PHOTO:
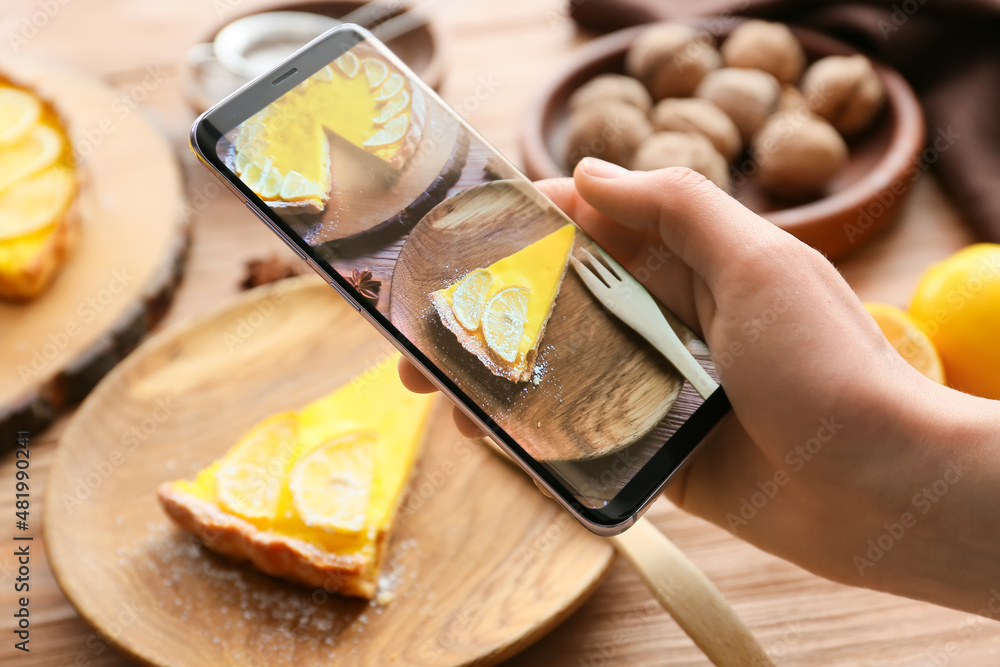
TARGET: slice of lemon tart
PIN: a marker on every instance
(499, 312)
(360, 105)
(312, 495)
(39, 218)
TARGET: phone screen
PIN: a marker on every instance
(479, 274)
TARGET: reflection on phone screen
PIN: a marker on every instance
(478, 270)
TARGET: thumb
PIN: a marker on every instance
(705, 227)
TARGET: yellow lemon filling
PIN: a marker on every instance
(283, 153)
(330, 474)
(505, 306)
(37, 186)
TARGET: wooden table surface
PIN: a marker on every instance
(513, 46)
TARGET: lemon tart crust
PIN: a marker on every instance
(273, 533)
(274, 553)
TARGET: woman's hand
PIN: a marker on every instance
(838, 455)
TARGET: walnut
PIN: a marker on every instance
(798, 154)
(683, 149)
(670, 59)
(701, 117)
(611, 131)
(607, 87)
(770, 47)
(791, 98)
(845, 90)
(747, 96)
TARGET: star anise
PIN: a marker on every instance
(363, 281)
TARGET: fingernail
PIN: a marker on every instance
(592, 166)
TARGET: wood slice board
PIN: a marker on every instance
(119, 279)
(482, 566)
(602, 387)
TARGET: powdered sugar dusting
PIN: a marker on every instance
(250, 617)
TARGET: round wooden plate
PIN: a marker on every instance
(591, 402)
(481, 565)
(863, 198)
(120, 277)
(207, 83)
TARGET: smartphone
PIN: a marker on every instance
(470, 271)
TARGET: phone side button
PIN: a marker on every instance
(343, 293)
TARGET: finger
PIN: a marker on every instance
(709, 230)
(466, 426)
(413, 378)
(643, 254)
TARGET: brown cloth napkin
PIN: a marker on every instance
(948, 51)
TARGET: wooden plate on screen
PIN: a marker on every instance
(121, 275)
(862, 199)
(483, 566)
(581, 416)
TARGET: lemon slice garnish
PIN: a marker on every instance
(271, 185)
(35, 202)
(332, 485)
(390, 133)
(324, 75)
(38, 149)
(255, 173)
(249, 479)
(393, 84)
(469, 298)
(251, 130)
(376, 71)
(504, 319)
(19, 111)
(295, 187)
(393, 107)
(348, 64)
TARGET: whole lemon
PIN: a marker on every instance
(957, 303)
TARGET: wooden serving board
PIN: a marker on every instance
(481, 566)
(119, 279)
(602, 387)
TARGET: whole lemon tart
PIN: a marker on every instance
(360, 108)
(499, 313)
(312, 495)
(39, 185)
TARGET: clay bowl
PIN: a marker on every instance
(419, 48)
(863, 198)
